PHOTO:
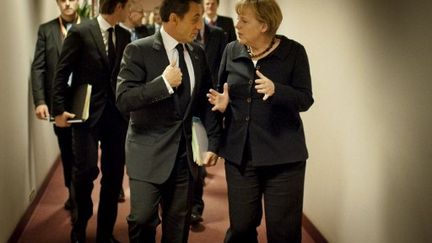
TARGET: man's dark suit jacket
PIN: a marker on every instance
(141, 31)
(84, 54)
(214, 44)
(46, 55)
(227, 24)
(151, 28)
(155, 126)
(47, 52)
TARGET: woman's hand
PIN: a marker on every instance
(218, 100)
(264, 85)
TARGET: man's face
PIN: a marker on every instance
(122, 12)
(188, 27)
(136, 15)
(210, 7)
(68, 7)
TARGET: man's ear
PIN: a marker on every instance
(173, 18)
(119, 6)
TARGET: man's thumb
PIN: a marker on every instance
(173, 62)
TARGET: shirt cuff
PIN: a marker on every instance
(169, 88)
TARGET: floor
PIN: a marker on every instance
(50, 223)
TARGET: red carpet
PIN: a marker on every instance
(50, 223)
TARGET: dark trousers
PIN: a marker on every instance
(174, 199)
(64, 139)
(198, 191)
(281, 186)
(110, 131)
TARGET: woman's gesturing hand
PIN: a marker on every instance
(264, 85)
(219, 100)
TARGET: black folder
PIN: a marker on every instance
(80, 103)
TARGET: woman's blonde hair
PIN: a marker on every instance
(266, 11)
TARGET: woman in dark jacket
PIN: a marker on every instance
(264, 82)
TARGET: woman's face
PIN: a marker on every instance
(249, 29)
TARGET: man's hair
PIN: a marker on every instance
(135, 5)
(179, 7)
(108, 6)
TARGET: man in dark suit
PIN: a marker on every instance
(133, 22)
(47, 51)
(213, 40)
(162, 98)
(92, 52)
(212, 18)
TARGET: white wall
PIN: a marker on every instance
(28, 147)
(369, 136)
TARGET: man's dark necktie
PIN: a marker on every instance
(111, 48)
(183, 91)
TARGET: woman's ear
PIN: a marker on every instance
(264, 27)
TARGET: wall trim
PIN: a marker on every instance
(19, 229)
(312, 230)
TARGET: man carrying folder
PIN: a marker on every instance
(92, 52)
(47, 51)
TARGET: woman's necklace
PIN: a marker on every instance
(252, 55)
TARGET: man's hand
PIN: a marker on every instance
(173, 74)
(42, 112)
(61, 120)
(210, 159)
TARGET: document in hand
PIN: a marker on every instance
(81, 103)
(199, 141)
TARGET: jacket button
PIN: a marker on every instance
(247, 118)
(258, 67)
(250, 81)
(248, 100)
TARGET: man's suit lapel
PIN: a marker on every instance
(97, 37)
(56, 35)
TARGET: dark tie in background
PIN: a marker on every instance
(183, 91)
(111, 48)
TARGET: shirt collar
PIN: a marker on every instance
(103, 24)
(208, 20)
(125, 27)
(168, 41)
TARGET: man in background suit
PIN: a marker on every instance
(133, 22)
(48, 46)
(162, 98)
(92, 52)
(213, 40)
(156, 21)
(212, 18)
